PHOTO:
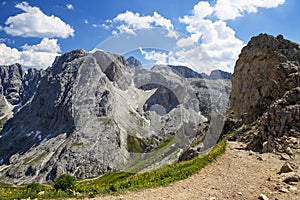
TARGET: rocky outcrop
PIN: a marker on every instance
(277, 130)
(267, 67)
(266, 95)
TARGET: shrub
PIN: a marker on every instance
(64, 182)
(35, 187)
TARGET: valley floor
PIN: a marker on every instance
(237, 174)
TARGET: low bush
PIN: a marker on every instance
(35, 187)
(64, 182)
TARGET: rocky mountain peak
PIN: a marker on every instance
(134, 62)
(115, 67)
(60, 61)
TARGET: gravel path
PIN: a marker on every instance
(238, 174)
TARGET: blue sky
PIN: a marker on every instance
(33, 32)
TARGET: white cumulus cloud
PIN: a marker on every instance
(8, 55)
(158, 57)
(231, 9)
(194, 58)
(210, 43)
(46, 45)
(202, 9)
(39, 56)
(34, 23)
(207, 26)
(129, 22)
(214, 37)
(186, 42)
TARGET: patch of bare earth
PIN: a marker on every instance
(238, 174)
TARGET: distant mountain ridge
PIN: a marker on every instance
(134, 62)
(187, 72)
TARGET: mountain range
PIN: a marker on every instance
(93, 113)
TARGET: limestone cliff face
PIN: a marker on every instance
(31, 82)
(17, 86)
(11, 82)
(265, 94)
(69, 114)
